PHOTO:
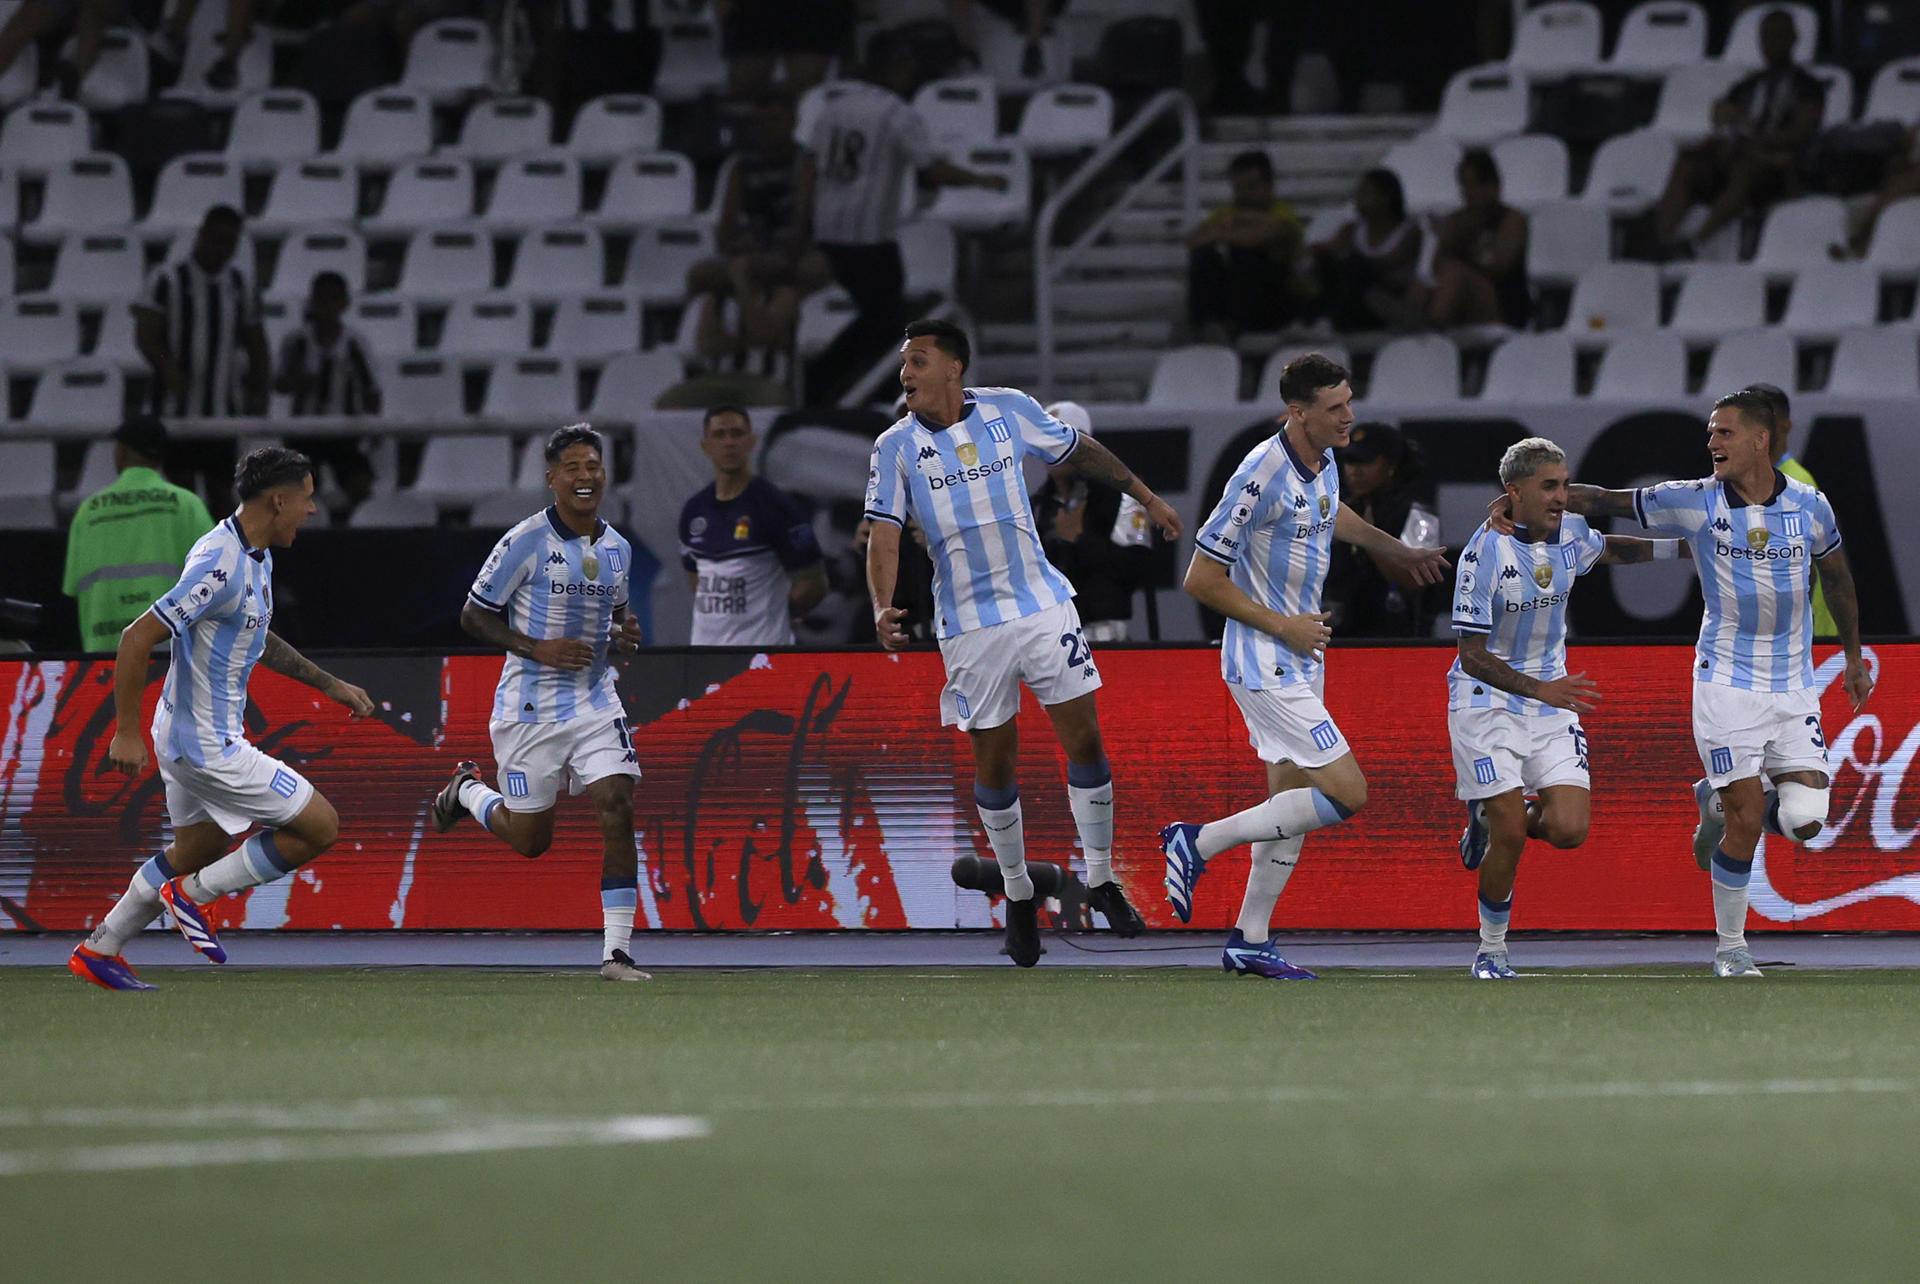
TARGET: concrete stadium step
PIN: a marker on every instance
(1148, 226)
(1154, 297)
(1132, 259)
(1068, 336)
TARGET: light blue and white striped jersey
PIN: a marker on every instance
(1274, 527)
(552, 583)
(964, 485)
(1756, 573)
(1516, 593)
(218, 614)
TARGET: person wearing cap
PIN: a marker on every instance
(1095, 536)
(130, 539)
(1379, 475)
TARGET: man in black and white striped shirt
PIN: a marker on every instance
(198, 326)
(326, 366)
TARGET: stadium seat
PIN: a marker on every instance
(114, 339)
(400, 509)
(496, 128)
(558, 261)
(1743, 40)
(1837, 109)
(308, 192)
(419, 390)
(1880, 361)
(533, 389)
(531, 190)
(980, 209)
(253, 69)
(307, 254)
(82, 393)
(1749, 356)
(37, 332)
(631, 382)
(84, 194)
(488, 325)
(188, 187)
(508, 508)
(928, 252)
(1687, 96)
(1415, 369)
(449, 59)
(96, 471)
(1659, 36)
(1649, 366)
(1267, 392)
(659, 258)
(1425, 165)
(388, 324)
(120, 76)
(1557, 39)
(6, 256)
(1530, 368)
(424, 193)
(1718, 297)
(530, 472)
(386, 125)
(1482, 104)
(272, 127)
(1533, 169)
(1611, 297)
(98, 266)
(1801, 232)
(960, 111)
(1066, 119)
(1895, 93)
(460, 468)
(446, 265)
(691, 63)
(1003, 49)
(1629, 171)
(589, 327)
(823, 315)
(20, 81)
(1895, 248)
(1565, 238)
(1201, 375)
(44, 133)
(614, 125)
(648, 187)
(26, 473)
(1830, 297)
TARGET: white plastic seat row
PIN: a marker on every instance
(1566, 36)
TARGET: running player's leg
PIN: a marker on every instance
(97, 959)
(1796, 806)
(1561, 816)
(1731, 729)
(619, 875)
(996, 792)
(1090, 797)
(1795, 762)
(1327, 796)
(1249, 949)
(532, 757)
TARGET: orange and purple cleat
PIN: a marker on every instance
(192, 920)
(108, 971)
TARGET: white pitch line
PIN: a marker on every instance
(477, 1139)
(366, 1112)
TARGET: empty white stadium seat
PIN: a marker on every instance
(1557, 38)
(1895, 247)
(419, 390)
(460, 468)
(43, 133)
(188, 187)
(446, 265)
(530, 473)
(82, 393)
(557, 261)
(536, 390)
(1629, 171)
(6, 249)
(1415, 369)
(531, 190)
(86, 193)
(928, 252)
(1533, 169)
(36, 332)
(588, 327)
(1425, 165)
(21, 80)
(615, 125)
(115, 339)
(1751, 356)
(1880, 361)
(396, 510)
(1267, 392)
(121, 74)
(823, 315)
(388, 324)
(1530, 367)
(496, 128)
(272, 127)
(306, 192)
(1687, 96)
(1718, 297)
(253, 68)
(649, 187)
(960, 111)
(487, 325)
(1801, 232)
(1565, 238)
(631, 382)
(980, 208)
(1649, 366)
(449, 59)
(1482, 104)
(1660, 35)
(1003, 49)
(1895, 93)
(509, 508)
(659, 258)
(1611, 297)
(97, 266)
(305, 255)
(1837, 109)
(1743, 40)
(1201, 375)
(96, 471)
(690, 59)
(386, 125)
(1066, 119)
(430, 192)
(26, 469)
(1830, 297)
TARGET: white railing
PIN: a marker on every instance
(1049, 264)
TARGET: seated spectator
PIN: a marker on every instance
(1480, 254)
(1762, 130)
(1368, 266)
(326, 367)
(1241, 259)
(1380, 479)
(1902, 179)
(758, 210)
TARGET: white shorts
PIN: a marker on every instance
(237, 792)
(1744, 733)
(536, 758)
(1290, 724)
(1495, 751)
(986, 666)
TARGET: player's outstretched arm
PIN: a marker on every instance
(883, 572)
(1573, 692)
(1836, 577)
(128, 751)
(1588, 501)
(1400, 562)
(556, 653)
(287, 662)
(1209, 583)
(1098, 464)
(1626, 550)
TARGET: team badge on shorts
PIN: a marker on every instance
(960, 702)
(1722, 761)
(1483, 772)
(1543, 575)
(516, 783)
(285, 783)
(1324, 736)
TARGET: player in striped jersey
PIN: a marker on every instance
(1513, 710)
(1260, 560)
(553, 596)
(1003, 614)
(217, 784)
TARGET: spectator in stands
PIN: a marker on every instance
(1380, 479)
(1480, 254)
(1226, 28)
(1762, 130)
(1032, 18)
(1095, 536)
(326, 366)
(170, 40)
(129, 540)
(1901, 179)
(1242, 259)
(37, 21)
(743, 320)
(867, 140)
(807, 37)
(912, 592)
(1367, 268)
(198, 326)
(759, 220)
(1823, 625)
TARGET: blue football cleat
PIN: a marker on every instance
(1185, 864)
(1247, 959)
(1492, 967)
(108, 971)
(193, 921)
(1474, 838)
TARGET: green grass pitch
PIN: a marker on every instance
(912, 1124)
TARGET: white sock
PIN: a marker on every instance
(1267, 874)
(617, 901)
(1007, 833)
(1093, 817)
(138, 906)
(256, 861)
(480, 801)
(1730, 899)
(1494, 918)
(1288, 814)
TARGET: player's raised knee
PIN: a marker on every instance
(1565, 833)
(318, 824)
(1803, 810)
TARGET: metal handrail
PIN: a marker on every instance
(1046, 264)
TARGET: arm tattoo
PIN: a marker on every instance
(1626, 549)
(1595, 501)
(1096, 463)
(1842, 600)
(1483, 665)
(286, 661)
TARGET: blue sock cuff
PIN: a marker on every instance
(487, 809)
(995, 799)
(1729, 872)
(271, 850)
(1329, 811)
(618, 893)
(158, 870)
(1089, 775)
(1496, 909)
